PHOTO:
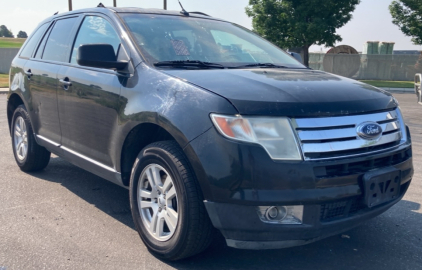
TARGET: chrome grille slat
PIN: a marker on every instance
(337, 137)
(390, 126)
(343, 120)
(315, 135)
(349, 145)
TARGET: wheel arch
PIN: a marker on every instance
(136, 139)
(13, 102)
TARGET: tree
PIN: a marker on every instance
(22, 34)
(4, 32)
(300, 23)
(407, 15)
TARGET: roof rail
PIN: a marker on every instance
(200, 13)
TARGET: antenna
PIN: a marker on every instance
(56, 13)
(100, 5)
(184, 12)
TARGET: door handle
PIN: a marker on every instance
(28, 73)
(66, 83)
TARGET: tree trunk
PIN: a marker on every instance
(306, 55)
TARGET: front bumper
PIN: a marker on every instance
(243, 229)
(237, 177)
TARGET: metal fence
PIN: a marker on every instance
(369, 67)
(6, 57)
(357, 66)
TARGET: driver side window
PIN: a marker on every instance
(95, 30)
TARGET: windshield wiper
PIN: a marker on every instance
(188, 63)
(264, 65)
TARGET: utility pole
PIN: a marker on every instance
(165, 4)
(70, 5)
(114, 3)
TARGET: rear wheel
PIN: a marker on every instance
(29, 155)
(167, 204)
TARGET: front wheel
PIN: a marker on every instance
(167, 204)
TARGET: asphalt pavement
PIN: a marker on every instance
(67, 218)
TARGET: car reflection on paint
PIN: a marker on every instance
(418, 91)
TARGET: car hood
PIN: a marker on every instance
(289, 92)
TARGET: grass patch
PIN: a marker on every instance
(4, 80)
(391, 84)
(11, 42)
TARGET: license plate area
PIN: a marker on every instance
(381, 186)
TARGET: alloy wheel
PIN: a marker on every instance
(157, 202)
(20, 138)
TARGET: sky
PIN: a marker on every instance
(371, 19)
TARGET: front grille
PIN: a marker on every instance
(341, 209)
(335, 137)
(362, 166)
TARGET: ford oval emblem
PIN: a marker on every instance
(369, 130)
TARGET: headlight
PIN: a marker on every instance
(275, 134)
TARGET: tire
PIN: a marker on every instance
(193, 230)
(29, 155)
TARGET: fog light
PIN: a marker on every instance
(281, 214)
(271, 212)
(276, 213)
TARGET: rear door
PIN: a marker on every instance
(42, 70)
(89, 98)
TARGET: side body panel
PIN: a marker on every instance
(89, 110)
(43, 103)
(151, 96)
(17, 85)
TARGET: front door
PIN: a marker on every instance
(88, 98)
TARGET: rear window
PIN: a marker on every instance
(41, 45)
(58, 43)
(33, 41)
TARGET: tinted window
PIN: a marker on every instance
(33, 41)
(95, 30)
(58, 47)
(41, 46)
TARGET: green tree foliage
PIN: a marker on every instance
(22, 34)
(4, 32)
(300, 23)
(407, 15)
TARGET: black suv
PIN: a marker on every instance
(211, 128)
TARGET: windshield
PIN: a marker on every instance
(176, 38)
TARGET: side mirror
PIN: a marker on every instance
(99, 56)
(296, 56)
